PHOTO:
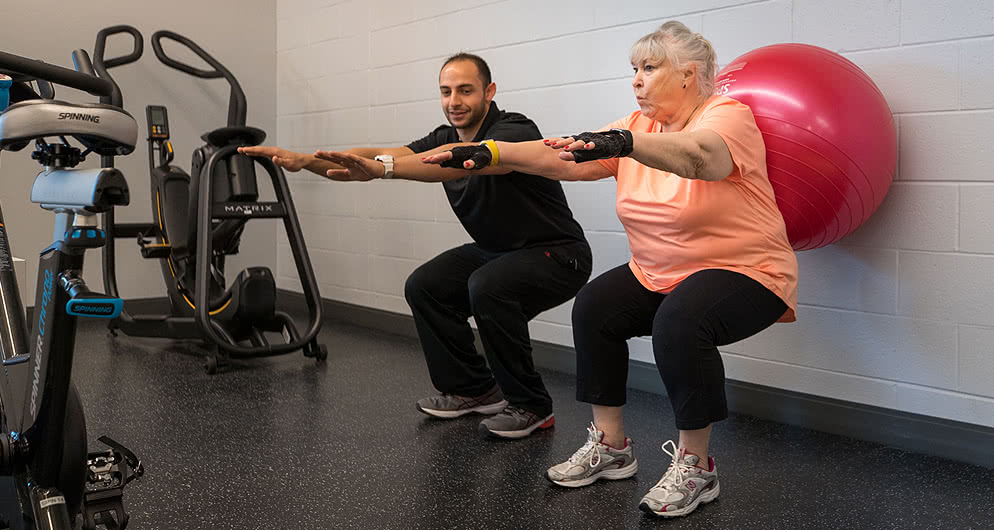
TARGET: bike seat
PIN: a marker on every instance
(104, 129)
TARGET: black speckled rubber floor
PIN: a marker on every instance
(288, 443)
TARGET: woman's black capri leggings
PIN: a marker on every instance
(710, 308)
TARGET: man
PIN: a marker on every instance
(528, 255)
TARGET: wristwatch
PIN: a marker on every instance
(387, 161)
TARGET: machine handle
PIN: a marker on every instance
(100, 64)
(185, 68)
(81, 60)
(25, 69)
(237, 106)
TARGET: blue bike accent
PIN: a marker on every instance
(5, 83)
(95, 307)
(17, 359)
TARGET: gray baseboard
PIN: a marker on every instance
(912, 432)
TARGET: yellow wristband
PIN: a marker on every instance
(494, 153)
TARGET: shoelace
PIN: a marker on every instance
(515, 411)
(677, 470)
(594, 457)
(463, 401)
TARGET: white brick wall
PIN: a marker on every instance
(900, 314)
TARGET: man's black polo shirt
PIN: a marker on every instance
(512, 211)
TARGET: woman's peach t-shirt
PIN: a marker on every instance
(678, 226)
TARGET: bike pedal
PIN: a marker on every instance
(107, 473)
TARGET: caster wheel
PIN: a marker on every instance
(211, 365)
(322, 353)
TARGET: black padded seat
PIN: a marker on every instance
(234, 136)
(104, 129)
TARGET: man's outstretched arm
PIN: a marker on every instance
(293, 161)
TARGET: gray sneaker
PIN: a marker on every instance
(452, 406)
(514, 422)
(683, 487)
(594, 461)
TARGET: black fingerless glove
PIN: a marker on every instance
(479, 154)
(614, 143)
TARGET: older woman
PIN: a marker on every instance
(710, 264)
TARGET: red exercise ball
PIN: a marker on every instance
(831, 148)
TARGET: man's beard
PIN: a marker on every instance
(475, 116)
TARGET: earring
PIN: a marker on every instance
(685, 85)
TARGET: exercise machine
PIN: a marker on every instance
(43, 442)
(198, 220)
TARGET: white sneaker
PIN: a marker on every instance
(683, 487)
(594, 461)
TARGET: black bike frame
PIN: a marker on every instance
(53, 337)
(13, 334)
(49, 354)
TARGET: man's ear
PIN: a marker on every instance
(490, 91)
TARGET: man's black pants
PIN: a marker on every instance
(502, 291)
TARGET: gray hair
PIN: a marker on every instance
(680, 46)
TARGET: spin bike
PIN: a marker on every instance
(198, 220)
(43, 442)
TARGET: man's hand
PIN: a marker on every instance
(587, 146)
(287, 160)
(356, 167)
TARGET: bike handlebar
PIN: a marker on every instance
(25, 69)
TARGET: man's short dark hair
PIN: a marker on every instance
(481, 65)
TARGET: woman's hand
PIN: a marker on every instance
(462, 157)
(287, 160)
(437, 158)
(568, 145)
(356, 167)
(588, 146)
